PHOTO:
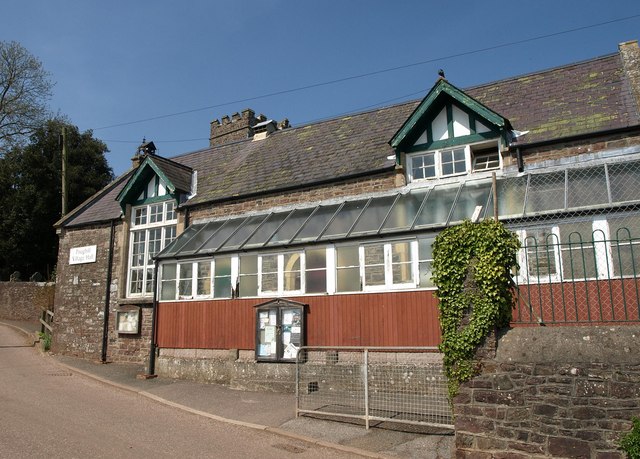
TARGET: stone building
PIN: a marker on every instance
(275, 236)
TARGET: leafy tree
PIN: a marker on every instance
(30, 190)
(25, 88)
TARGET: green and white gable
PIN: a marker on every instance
(450, 134)
(152, 194)
(156, 179)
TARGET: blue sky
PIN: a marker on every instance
(118, 62)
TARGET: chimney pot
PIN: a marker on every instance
(284, 124)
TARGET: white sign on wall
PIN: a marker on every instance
(80, 255)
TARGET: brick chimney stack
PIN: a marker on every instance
(630, 54)
(238, 127)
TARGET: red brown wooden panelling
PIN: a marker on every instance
(371, 319)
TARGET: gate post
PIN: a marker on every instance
(366, 388)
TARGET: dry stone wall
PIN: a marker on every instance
(552, 392)
(25, 301)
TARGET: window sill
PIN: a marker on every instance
(136, 300)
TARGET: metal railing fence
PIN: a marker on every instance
(579, 224)
(388, 384)
(572, 276)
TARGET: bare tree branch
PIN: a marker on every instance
(25, 89)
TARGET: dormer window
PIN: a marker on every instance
(151, 196)
(450, 162)
(450, 134)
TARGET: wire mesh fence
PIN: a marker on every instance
(400, 385)
(580, 233)
(591, 279)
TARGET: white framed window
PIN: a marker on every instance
(540, 254)
(582, 250)
(425, 261)
(380, 266)
(201, 279)
(315, 272)
(625, 245)
(388, 265)
(439, 163)
(348, 276)
(423, 166)
(454, 161)
(168, 281)
(153, 227)
(222, 287)
(185, 280)
(248, 275)
(485, 158)
(281, 273)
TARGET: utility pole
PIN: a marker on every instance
(63, 139)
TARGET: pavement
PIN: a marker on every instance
(268, 411)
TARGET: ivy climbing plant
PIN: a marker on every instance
(471, 268)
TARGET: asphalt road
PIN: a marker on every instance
(48, 412)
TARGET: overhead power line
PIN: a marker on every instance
(376, 72)
(315, 120)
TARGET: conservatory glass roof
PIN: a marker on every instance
(525, 195)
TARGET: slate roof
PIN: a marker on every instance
(294, 157)
(178, 174)
(575, 99)
(100, 207)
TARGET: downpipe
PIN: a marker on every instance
(107, 295)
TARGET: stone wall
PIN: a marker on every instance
(233, 368)
(25, 301)
(80, 300)
(81, 293)
(130, 348)
(552, 392)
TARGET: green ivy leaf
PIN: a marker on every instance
(471, 268)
